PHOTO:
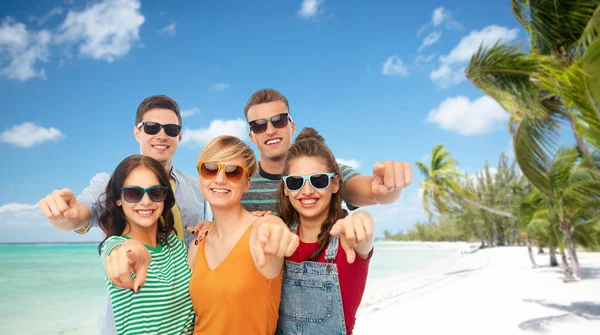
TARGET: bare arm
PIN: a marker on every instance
(64, 212)
(383, 187)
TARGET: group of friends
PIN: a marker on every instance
(249, 247)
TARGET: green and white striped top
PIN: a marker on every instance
(163, 305)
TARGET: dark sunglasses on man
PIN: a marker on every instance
(152, 128)
(278, 121)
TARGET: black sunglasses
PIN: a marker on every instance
(278, 121)
(152, 128)
(135, 194)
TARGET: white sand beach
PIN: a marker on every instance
(491, 291)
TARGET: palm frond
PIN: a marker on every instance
(534, 145)
(590, 33)
(507, 75)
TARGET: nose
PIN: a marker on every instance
(220, 178)
(307, 190)
(270, 129)
(146, 199)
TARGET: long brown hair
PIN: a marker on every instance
(310, 144)
(112, 220)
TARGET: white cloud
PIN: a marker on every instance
(394, 66)
(106, 30)
(21, 50)
(466, 117)
(447, 75)
(353, 163)
(452, 65)
(431, 39)
(237, 127)
(27, 135)
(440, 17)
(169, 30)
(190, 112)
(17, 207)
(220, 86)
(309, 8)
(46, 17)
(424, 59)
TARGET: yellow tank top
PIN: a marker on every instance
(234, 298)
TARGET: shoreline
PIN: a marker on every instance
(495, 290)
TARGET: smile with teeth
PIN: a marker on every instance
(308, 201)
(145, 212)
(273, 141)
(219, 190)
(160, 146)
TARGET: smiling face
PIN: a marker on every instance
(273, 143)
(144, 214)
(311, 203)
(159, 146)
(222, 193)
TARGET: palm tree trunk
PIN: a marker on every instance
(553, 261)
(581, 145)
(540, 249)
(565, 265)
(566, 228)
(480, 206)
(531, 258)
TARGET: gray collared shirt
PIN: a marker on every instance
(188, 196)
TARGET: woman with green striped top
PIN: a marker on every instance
(138, 224)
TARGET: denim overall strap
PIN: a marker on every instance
(311, 301)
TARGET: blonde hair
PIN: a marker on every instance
(224, 148)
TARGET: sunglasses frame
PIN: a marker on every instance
(162, 126)
(144, 190)
(221, 167)
(305, 178)
(270, 119)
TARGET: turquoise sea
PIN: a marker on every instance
(59, 288)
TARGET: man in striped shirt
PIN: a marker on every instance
(272, 128)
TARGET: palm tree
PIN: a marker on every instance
(441, 188)
(552, 82)
(573, 200)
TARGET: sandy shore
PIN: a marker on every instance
(492, 291)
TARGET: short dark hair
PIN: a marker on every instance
(157, 101)
(264, 96)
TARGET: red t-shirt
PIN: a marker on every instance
(352, 277)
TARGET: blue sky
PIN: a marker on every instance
(380, 80)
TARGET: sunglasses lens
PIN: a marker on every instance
(319, 181)
(294, 183)
(151, 128)
(172, 130)
(157, 194)
(280, 121)
(258, 126)
(133, 194)
(209, 170)
(234, 173)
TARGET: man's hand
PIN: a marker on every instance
(276, 240)
(389, 176)
(201, 229)
(60, 204)
(131, 256)
(356, 234)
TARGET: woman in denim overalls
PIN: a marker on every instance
(324, 280)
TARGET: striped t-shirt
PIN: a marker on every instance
(163, 304)
(262, 195)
